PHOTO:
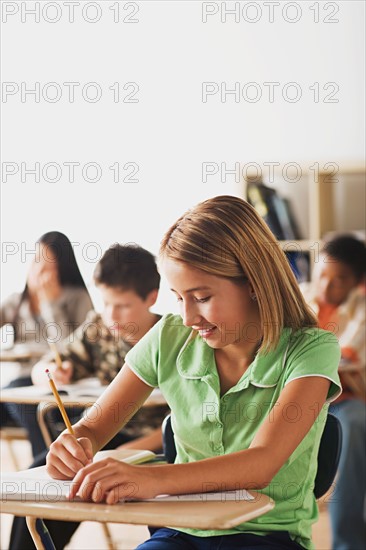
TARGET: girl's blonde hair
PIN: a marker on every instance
(225, 236)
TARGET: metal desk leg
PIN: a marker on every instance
(31, 524)
(108, 536)
(42, 538)
(39, 533)
(42, 408)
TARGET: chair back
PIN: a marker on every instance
(328, 455)
(169, 449)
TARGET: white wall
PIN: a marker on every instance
(169, 52)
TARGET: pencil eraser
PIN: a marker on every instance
(47, 371)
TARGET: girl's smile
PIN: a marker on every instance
(219, 308)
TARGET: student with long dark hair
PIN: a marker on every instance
(54, 301)
(52, 305)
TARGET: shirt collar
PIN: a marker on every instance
(196, 358)
(267, 369)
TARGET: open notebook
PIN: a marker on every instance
(37, 486)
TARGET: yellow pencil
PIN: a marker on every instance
(56, 354)
(59, 403)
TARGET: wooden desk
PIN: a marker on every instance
(45, 400)
(17, 361)
(354, 376)
(9, 356)
(348, 366)
(33, 395)
(22, 352)
(195, 515)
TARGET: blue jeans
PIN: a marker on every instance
(170, 539)
(346, 503)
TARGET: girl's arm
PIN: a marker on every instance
(273, 444)
(255, 467)
(118, 403)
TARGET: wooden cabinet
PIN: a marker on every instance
(324, 199)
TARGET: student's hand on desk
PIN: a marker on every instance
(68, 455)
(60, 376)
(111, 480)
(64, 375)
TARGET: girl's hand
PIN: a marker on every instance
(64, 375)
(60, 376)
(68, 455)
(111, 480)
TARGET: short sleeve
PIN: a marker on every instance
(315, 352)
(143, 358)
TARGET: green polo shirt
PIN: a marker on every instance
(177, 360)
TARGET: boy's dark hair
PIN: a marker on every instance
(350, 251)
(128, 267)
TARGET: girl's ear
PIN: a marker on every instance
(252, 294)
(152, 297)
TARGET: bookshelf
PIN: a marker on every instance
(325, 199)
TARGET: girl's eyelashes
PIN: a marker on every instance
(202, 300)
(197, 300)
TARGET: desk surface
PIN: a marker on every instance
(33, 395)
(12, 357)
(23, 352)
(196, 515)
(351, 367)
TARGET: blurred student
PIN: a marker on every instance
(128, 280)
(54, 301)
(337, 295)
(52, 305)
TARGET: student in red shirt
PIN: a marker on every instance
(337, 295)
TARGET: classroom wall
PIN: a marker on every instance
(178, 62)
(349, 203)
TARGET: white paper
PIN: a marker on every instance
(238, 495)
(37, 486)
